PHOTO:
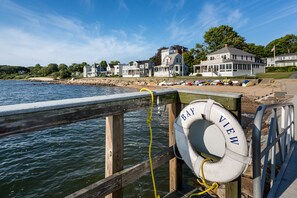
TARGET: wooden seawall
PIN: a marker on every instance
(31, 117)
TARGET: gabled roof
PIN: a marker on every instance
(111, 65)
(231, 50)
(288, 54)
(142, 61)
(172, 58)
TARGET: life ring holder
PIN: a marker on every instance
(235, 159)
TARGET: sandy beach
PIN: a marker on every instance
(250, 94)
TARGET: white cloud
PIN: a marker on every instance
(48, 38)
(210, 15)
(22, 48)
(288, 10)
(123, 5)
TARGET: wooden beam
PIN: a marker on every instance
(114, 148)
(175, 165)
(42, 115)
(230, 103)
(122, 178)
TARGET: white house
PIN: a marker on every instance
(229, 61)
(289, 59)
(93, 70)
(138, 69)
(171, 64)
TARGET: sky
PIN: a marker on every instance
(74, 31)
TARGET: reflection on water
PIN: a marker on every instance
(59, 161)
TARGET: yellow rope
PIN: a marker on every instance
(214, 185)
(148, 121)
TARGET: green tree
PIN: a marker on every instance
(217, 37)
(114, 62)
(74, 67)
(103, 64)
(64, 74)
(258, 50)
(180, 49)
(44, 71)
(52, 67)
(285, 44)
(189, 60)
(62, 66)
(157, 57)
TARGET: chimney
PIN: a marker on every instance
(226, 45)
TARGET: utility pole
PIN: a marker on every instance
(182, 62)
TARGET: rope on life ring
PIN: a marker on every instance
(235, 158)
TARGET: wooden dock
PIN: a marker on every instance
(32, 117)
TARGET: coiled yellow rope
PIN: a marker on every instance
(148, 121)
(214, 185)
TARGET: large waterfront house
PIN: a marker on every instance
(110, 69)
(93, 70)
(171, 64)
(282, 60)
(113, 69)
(229, 61)
(138, 69)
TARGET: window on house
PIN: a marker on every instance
(241, 57)
(235, 67)
(228, 66)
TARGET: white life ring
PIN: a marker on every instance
(235, 157)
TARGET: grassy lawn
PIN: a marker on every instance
(275, 75)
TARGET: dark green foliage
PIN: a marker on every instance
(217, 37)
(281, 69)
(114, 62)
(52, 67)
(5, 69)
(157, 57)
(64, 74)
(283, 45)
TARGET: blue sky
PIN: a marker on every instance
(75, 31)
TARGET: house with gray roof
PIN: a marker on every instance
(229, 61)
(171, 64)
(141, 68)
(93, 70)
(289, 59)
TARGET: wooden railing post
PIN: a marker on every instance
(233, 188)
(114, 148)
(175, 165)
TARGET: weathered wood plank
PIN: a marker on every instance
(230, 103)
(114, 148)
(42, 115)
(175, 165)
(122, 178)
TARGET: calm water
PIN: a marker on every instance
(60, 161)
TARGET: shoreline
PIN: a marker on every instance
(250, 94)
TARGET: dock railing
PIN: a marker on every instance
(31, 117)
(279, 140)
